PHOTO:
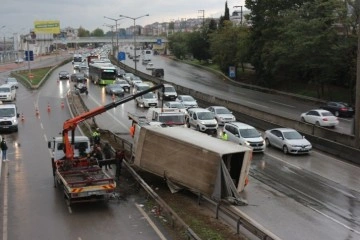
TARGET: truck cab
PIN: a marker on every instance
(167, 116)
(81, 146)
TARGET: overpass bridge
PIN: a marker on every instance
(130, 39)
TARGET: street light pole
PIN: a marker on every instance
(117, 34)
(134, 33)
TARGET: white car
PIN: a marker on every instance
(222, 114)
(187, 100)
(320, 117)
(19, 60)
(245, 135)
(128, 76)
(150, 66)
(287, 139)
(12, 81)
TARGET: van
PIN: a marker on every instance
(7, 92)
(245, 135)
(8, 117)
(167, 93)
(157, 72)
(201, 119)
(139, 87)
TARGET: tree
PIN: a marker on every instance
(98, 32)
(226, 16)
(178, 44)
(83, 33)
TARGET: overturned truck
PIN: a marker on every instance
(186, 158)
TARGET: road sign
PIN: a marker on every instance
(232, 73)
(29, 55)
(121, 56)
(159, 41)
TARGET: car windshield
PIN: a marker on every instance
(169, 89)
(149, 95)
(115, 87)
(249, 133)
(7, 112)
(292, 135)
(122, 82)
(188, 99)
(205, 115)
(176, 105)
(5, 90)
(222, 111)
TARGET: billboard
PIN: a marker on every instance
(52, 26)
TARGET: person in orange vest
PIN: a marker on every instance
(132, 130)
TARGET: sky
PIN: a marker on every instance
(18, 16)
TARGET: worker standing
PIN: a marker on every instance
(119, 159)
(107, 154)
(96, 136)
(4, 148)
(132, 130)
(224, 136)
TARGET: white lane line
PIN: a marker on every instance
(42, 126)
(257, 104)
(5, 206)
(114, 118)
(336, 221)
(284, 161)
(337, 160)
(283, 104)
(70, 210)
(152, 224)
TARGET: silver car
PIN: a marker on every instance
(287, 139)
(222, 114)
(187, 100)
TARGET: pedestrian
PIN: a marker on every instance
(119, 159)
(4, 148)
(224, 136)
(107, 154)
(96, 136)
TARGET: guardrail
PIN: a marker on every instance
(340, 145)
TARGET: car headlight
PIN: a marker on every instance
(247, 143)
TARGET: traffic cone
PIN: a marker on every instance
(62, 104)
(22, 117)
(37, 111)
(48, 108)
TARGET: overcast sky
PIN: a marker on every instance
(19, 15)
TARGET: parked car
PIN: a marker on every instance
(339, 109)
(19, 60)
(64, 75)
(187, 100)
(124, 84)
(78, 77)
(12, 81)
(114, 89)
(245, 135)
(320, 117)
(222, 114)
(288, 140)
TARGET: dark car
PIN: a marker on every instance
(157, 72)
(339, 109)
(64, 75)
(78, 78)
(115, 89)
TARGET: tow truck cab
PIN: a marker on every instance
(82, 143)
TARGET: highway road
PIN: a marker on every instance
(314, 196)
(207, 82)
(30, 206)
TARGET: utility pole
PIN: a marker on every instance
(112, 36)
(202, 16)
(241, 13)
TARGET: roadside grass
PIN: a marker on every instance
(38, 74)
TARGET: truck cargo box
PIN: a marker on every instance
(210, 166)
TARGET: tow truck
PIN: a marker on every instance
(80, 177)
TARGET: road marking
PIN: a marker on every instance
(257, 104)
(5, 206)
(283, 161)
(107, 112)
(333, 219)
(152, 224)
(69, 208)
(286, 105)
